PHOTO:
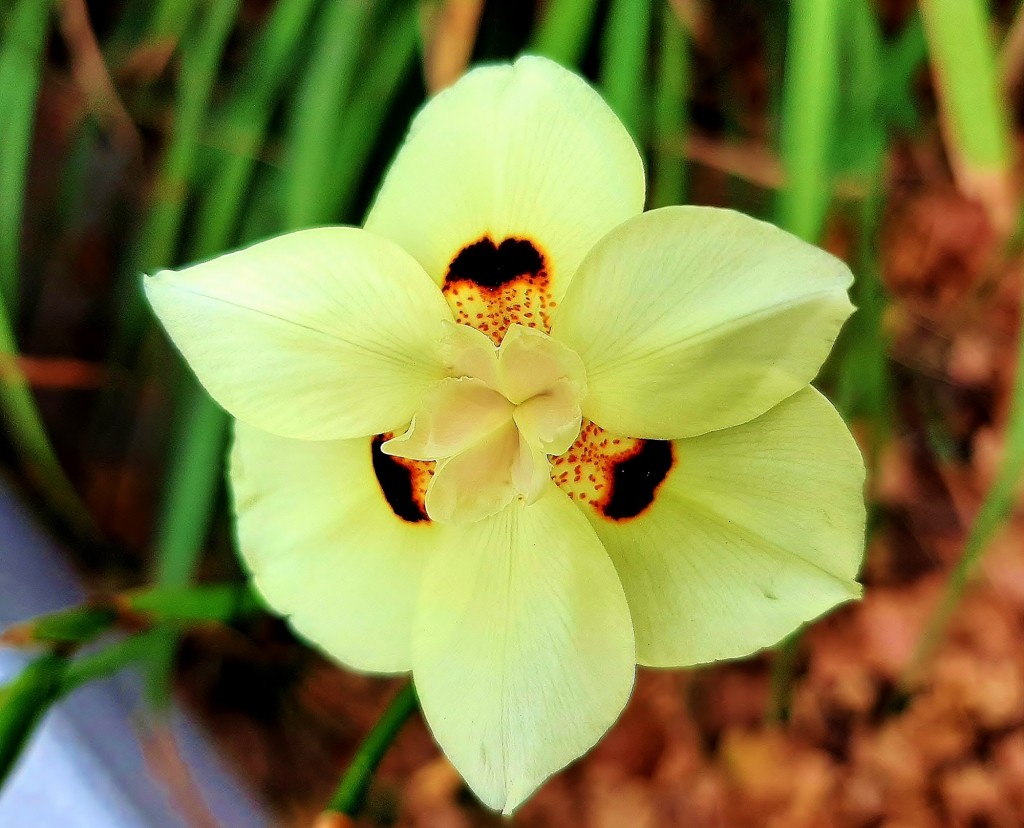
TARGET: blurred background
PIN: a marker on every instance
(136, 134)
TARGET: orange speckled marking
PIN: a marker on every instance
(403, 482)
(618, 476)
(490, 286)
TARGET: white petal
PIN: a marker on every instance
(325, 548)
(531, 471)
(454, 415)
(551, 421)
(477, 482)
(755, 530)
(469, 353)
(522, 151)
(320, 334)
(523, 650)
(530, 362)
(692, 319)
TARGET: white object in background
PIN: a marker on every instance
(85, 767)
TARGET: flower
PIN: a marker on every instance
(517, 435)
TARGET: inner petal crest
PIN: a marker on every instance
(491, 426)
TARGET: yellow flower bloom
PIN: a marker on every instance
(518, 436)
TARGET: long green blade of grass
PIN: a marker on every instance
(995, 510)
(172, 17)
(903, 57)
(351, 791)
(862, 380)
(23, 704)
(193, 479)
(394, 56)
(25, 428)
(974, 113)
(625, 48)
(320, 109)
(20, 67)
(241, 129)
(978, 129)
(562, 33)
(670, 112)
(158, 239)
(196, 463)
(963, 59)
(810, 97)
(863, 385)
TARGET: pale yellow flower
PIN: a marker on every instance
(518, 436)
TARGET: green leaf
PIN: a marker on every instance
(23, 703)
(671, 113)
(564, 30)
(624, 77)
(810, 98)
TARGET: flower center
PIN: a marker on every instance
(493, 422)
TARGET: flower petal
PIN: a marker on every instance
(523, 649)
(478, 482)
(469, 353)
(551, 421)
(320, 334)
(530, 363)
(692, 319)
(526, 151)
(454, 414)
(325, 548)
(755, 530)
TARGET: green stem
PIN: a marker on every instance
(45, 681)
(23, 704)
(995, 510)
(106, 662)
(993, 514)
(348, 798)
(167, 605)
(781, 680)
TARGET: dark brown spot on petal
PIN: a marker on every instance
(635, 480)
(491, 265)
(490, 286)
(618, 477)
(401, 482)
